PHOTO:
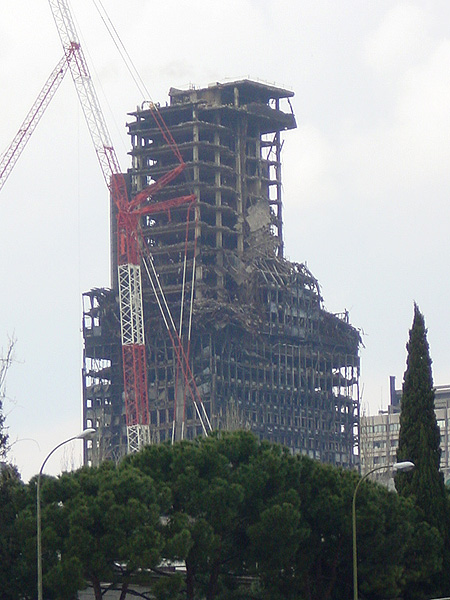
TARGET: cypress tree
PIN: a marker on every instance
(419, 439)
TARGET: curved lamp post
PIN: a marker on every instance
(85, 434)
(396, 467)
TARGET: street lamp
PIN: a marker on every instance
(86, 433)
(396, 467)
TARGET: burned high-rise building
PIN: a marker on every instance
(263, 353)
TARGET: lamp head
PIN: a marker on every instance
(86, 434)
(403, 467)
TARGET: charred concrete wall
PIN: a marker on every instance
(264, 353)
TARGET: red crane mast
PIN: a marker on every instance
(129, 213)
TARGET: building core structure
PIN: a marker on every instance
(263, 352)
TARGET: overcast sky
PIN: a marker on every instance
(366, 174)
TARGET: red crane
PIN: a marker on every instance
(12, 154)
(129, 212)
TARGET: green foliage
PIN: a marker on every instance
(247, 519)
(168, 587)
(256, 521)
(424, 557)
(384, 532)
(419, 442)
(102, 524)
(206, 505)
(12, 564)
(98, 524)
(419, 439)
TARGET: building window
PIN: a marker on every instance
(380, 428)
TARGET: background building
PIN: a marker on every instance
(264, 353)
(379, 433)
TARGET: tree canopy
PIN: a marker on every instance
(223, 517)
(242, 518)
(104, 526)
(14, 569)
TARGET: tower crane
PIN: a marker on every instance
(129, 243)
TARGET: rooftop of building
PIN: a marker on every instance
(256, 98)
(247, 88)
(441, 399)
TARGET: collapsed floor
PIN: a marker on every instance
(263, 352)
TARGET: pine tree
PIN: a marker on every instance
(419, 439)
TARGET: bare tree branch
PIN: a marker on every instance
(6, 360)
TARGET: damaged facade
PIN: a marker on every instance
(264, 353)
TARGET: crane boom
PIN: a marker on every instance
(15, 149)
(86, 91)
(129, 212)
(92, 111)
(130, 286)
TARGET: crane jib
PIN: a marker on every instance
(128, 231)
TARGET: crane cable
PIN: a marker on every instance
(174, 337)
(142, 88)
(131, 67)
(177, 346)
